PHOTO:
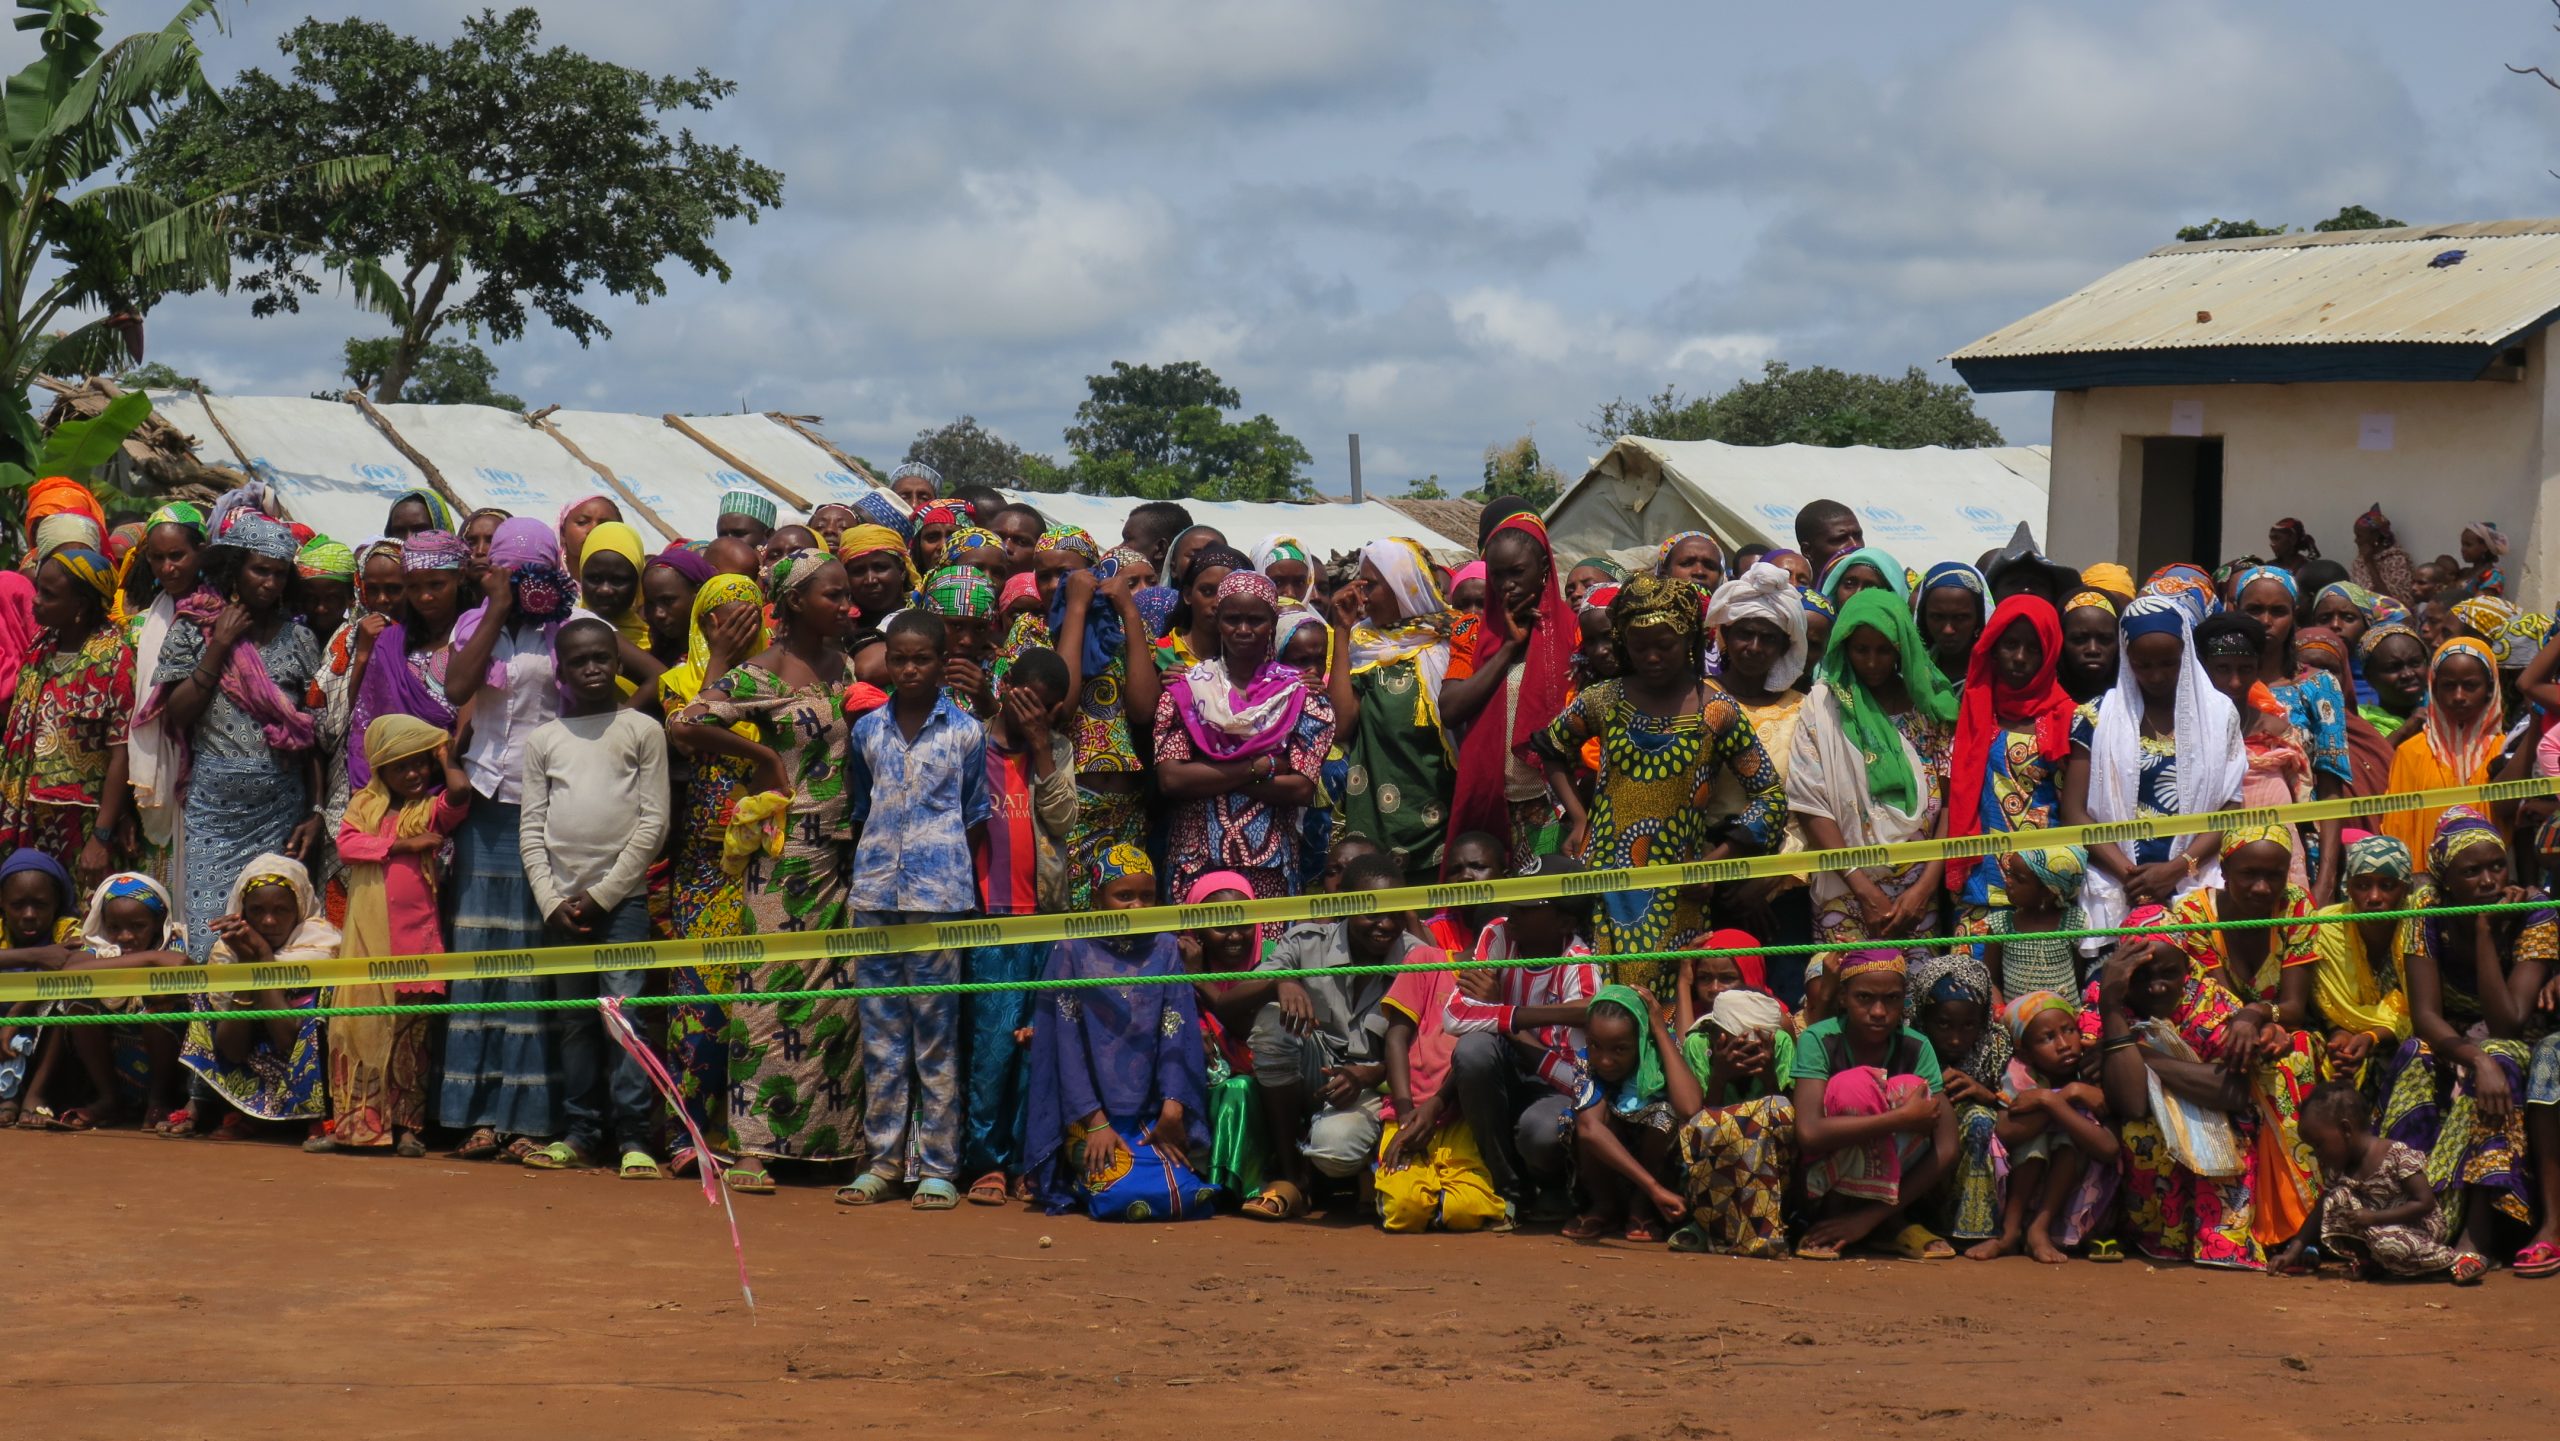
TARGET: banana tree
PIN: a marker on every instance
(84, 252)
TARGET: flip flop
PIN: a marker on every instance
(481, 1145)
(2469, 1267)
(748, 1182)
(2106, 1253)
(1643, 1230)
(1585, 1228)
(1277, 1201)
(640, 1166)
(990, 1190)
(1916, 1242)
(934, 1194)
(558, 1156)
(2538, 1260)
(1809, 1251)
(864, 1190)
(410, 1147)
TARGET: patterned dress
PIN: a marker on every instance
(1402, 769)
(1837, 919)
(704, 902)
(1099, 727)
(1235, 831)
(2431, 1110)
(2022, 792)
(2415, 1249)
(72, 708)
(2288, 945)
(1649, 805)
(795, 1071)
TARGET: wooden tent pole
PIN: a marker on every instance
(809, 434)
(611, 480)
(425, 466)
(798, 501)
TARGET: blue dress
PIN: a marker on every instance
(1122, 1050)
(2319, 710)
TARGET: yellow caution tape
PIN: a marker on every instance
(806, 947)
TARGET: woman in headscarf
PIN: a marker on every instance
(1466, 589)
(2012, 743)
(1758, 619)
(1951, 1001)
(1870, 768)
(391, 840)
(1953, 605)
(415, 511)
(2379, 564)
(1518, 680)
(2193, 1079)
(479, 532)
(2355, 978)
(231, 686)
(2311, 696)
(2189, 586)
(502, 1069)
(1191, 633)
(706, 897)
(2484, 548)
(272, 1070)
(1590, 573)
(2263, 965)
(1284, 559)
(1693, 556)
(2290, 546)
(1239, 744)
(155, 767)
(2279, 772)
(1105, 635)
(1402, 652)
(2394, 658)
(795, 1064)
(1666, 733)
(668, 584)
(2163, 742)
(328, 571)
(2368, 750)
(578, 520)
(830, 521)
(403, 671)
(609, 586)
(62, 755)
(344, 656)
(883, 580)
(2475, 983)
(2457, 742)
(1865, 568)
(2349, 610)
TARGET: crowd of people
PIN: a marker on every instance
(230, 739)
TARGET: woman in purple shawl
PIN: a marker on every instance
(404, 673)
(1129, 1055)
(1240, 741)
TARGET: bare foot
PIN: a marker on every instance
(2040, 1245)
(1849, 1227)
(1991, 1250)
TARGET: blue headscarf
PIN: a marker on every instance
(1954, 575)
(26, 858)
(1103, 634)
(879, 507)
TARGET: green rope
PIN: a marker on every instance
(1070, 983)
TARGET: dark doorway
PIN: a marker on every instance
(2178, 502)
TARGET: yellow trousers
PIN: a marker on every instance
(1447, 1182)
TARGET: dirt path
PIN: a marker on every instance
(241, 1290)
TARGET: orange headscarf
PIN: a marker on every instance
(58, 495)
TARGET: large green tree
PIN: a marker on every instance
(452, 372)
(967, 453)
(1813, 406)
(1162, 432)
(522, 179)
(83, 255)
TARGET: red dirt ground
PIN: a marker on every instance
(229, 1290)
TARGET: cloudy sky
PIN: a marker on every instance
(1442, 224)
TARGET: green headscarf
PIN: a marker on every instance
(1889, 777)
(1873, 559)
(1647, 1082)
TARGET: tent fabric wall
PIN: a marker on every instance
(491, 457)
(782, 453)
(1929, 503)
(667, 472)
(1327, 529)
(327, 463)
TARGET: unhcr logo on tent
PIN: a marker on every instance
(1986, 520)
(1890, 521)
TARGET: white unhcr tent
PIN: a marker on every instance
(1327, 529)
(1920, 506)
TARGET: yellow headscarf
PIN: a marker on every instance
(862, 540)
(682, 682)
(388, 739)
(620, 539)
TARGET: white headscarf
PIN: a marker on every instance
(1267, 550)
(312, 940)
(173, 925)
(1765, 592)
(2212, 758)
(1741, 1013)
(1426, 626)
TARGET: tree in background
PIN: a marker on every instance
(1814, 406)
(2349, 217)
(451, 372)
(520, 179)
(157, 376)
(967, 453)
(1162, 433)
(1426, 488)
(1517, 469)
(74, 241)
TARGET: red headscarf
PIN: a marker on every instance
(1754, 967)
(1991, 703)
(1546, 682)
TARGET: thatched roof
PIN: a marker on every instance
(1455, 519)
(158, 460)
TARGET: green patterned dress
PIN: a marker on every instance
(795, 1067)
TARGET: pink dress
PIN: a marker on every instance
(2279, 775)
(409, 887)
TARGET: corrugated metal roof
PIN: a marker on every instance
(2354, 287)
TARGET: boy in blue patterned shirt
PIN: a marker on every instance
(917, 775)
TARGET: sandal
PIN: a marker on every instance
(1916, 1242)
(681, 1164)
(2469, 1267)
(1812, 1251)
(2106, 1253)
(640, 1166)
(1643, 1230)
(990, 1189)
(178, 1125)
(864, 1190)
(933, 1193)
(2538, 1260)
(515, 1151)
(1585, 1228)
(480, 1145)
(558, 1156)
(319, 1143)
(410, 1147)
(1277, 1201)
(748, 1182)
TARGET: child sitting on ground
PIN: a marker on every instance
(1518, 1063)
(275, 1069)
(1119, 1120)
(1741, 1050)
(1875, 1132)
(2054, 1133)
(1630, 1107)
(2379, 1211)
(1473, 857)
(2043, 887)
(40, 935)
(1429, 1170)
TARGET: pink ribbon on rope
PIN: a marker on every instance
(618, 1026)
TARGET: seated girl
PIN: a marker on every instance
(275, 1069)
(2379, 1210)
(35, 896)
(2355, 979)
(2043, 888)
(1737, 1154)
(1227, 1008)
(1950, 999)
(1875, 1131)
(1629, 1106)
(1429, 1170)
(2059, 1155)
(129, 924)
(1118, 1078)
